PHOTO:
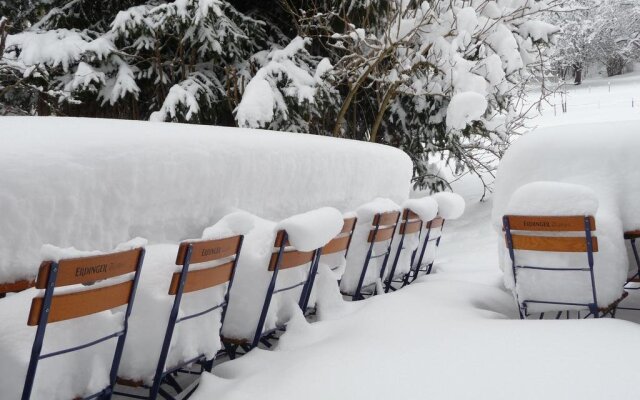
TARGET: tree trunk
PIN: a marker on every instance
(577, 74)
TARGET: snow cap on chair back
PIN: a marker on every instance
(425, 207)
(450, 205)
(553, 198)
(312, 230)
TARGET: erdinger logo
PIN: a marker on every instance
(211, 252)
(96, 269)
(537, 224)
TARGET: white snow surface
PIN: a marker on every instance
(313, 229)
(93, 183)
(450, 205)
(465, 108)
(553, 198)
(599, 156)
(425, 207)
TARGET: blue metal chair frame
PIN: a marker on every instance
(36, 351)
(231, 346)
(163, 375)
(405, 220)
(358, 294)
(632, 237)
(415, 271)
(593, 307)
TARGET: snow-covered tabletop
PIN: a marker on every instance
(600, 157)
(94, 183)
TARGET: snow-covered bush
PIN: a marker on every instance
(437, 79)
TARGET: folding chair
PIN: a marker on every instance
(14, 287)
(435, 225)
(342, 241)
(188, 281)
(71, 304)
(632, 236)
(411, 223)
(384, 228)
(284, 256)
(533, 238)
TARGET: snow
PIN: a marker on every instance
(425, 207)
(450, 205)
(93, 183)
(465, 108)
(572, 159)
(312, 230)
(385, 362)
(538, 30)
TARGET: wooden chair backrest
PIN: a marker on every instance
(411, 222)
(206, 251)
(537, 224)
(291, 257)
(341, 241)
(17, 286)
(86, 270)
(386, 223)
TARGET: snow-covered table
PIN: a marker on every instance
(94, 183)
(602, 157)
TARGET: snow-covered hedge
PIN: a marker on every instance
(95, 183)
(602, 158)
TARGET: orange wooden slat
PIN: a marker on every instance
(436, 222)
(635, 234)
(79, 304)
(383, 234)
(279, 238)
(553, 244)
(388, 218)
(348, 225)
(549, 223)
(410, 227)
(336, 245)
(407, 214)
(291, 259)
(202, 278)
(90, 269)
(208, 250)
(16, 286)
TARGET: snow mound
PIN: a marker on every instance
(553, 198)
(425, 207)
(601, 157)
(93, 183)
(450, 205)
(313, 229)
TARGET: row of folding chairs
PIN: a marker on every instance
(124, 268)
(571, 235)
